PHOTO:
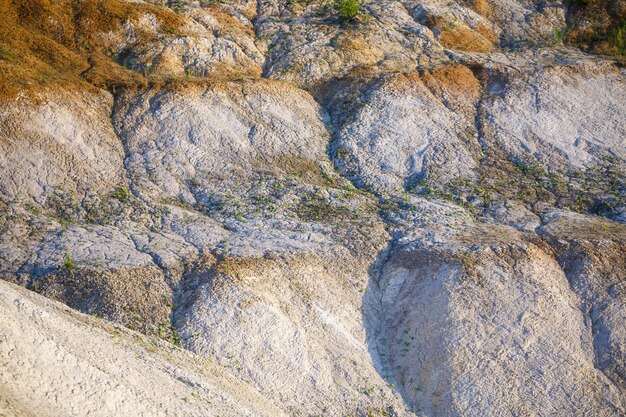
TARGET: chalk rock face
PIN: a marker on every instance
(483, 26)
(592, 256)
(213, 41)
(56, 361)
(293, 329)
(403, 130)
(545, 115)
(449, 323)
(279, 208)
(307, 47)
(194, 137)
(59, 140)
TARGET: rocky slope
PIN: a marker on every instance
(266, 209)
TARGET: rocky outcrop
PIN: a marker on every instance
(544, 116)
(194, 139)
(407, 127)
(56, 361)
(59, 140)
(458, 330)
(415, 211)
(591, 254)
(292, 328)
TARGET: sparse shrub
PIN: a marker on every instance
(68, 263)
(122, 193)
(5, 54)
(43, 77)
(560, 36)
(347, 9)
(617, 38)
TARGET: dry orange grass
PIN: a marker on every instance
(463, 38)
(482, 7)
(230, 23)
(458, 80)
(45, 43)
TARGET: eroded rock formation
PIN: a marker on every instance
(266, 210)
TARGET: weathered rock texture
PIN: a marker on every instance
(56, 361)
(459, 330)
(417, 211)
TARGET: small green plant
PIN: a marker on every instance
(43, 77)
(617, 38)
(122, 193)
(560, 36)
(68, 263)
(169, 333)
(5, 54)
(451, 25)
(347, 9)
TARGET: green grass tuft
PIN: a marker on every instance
(617, 38)
(347, 9)
(68, 263)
